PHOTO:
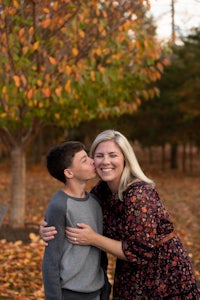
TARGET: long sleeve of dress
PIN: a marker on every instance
(146, 220)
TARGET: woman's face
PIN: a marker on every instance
(109, 163)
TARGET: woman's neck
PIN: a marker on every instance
(113, 187)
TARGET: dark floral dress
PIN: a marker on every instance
(154, 270)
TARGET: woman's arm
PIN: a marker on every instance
(85, 235)
(47, 233)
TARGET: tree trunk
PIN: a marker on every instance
(163, 159)
(17, 213)
(150, 155)
(37, 148)
(184, 158)
(191, 157)
(174, 161)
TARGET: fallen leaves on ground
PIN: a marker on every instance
(20, 276)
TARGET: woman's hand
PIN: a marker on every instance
(47, 233)
(84, 235)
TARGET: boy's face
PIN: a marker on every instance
(83, 166)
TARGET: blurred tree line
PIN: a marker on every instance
(170, 121)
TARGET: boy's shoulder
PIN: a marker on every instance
(59, 194)
(55, 214)
(58, 199)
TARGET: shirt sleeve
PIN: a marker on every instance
(55, 216)
(141, 217)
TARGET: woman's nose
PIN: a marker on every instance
(105, 159)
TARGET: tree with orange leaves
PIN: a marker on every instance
(68, 61)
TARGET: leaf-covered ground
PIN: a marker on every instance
(21, 250)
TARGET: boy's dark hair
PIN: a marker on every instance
(61, 157)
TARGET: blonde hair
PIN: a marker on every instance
(132, 171)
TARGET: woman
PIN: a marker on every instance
(151, 260)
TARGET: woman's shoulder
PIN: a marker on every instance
(138, 187)
(139, 194)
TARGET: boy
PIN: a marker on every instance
(72, 272)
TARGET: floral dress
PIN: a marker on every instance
(154, 269)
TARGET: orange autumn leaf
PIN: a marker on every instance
(57, 116)
(47, 77)
(75, 51)
(46, 23)
(16, 4)
(4, 89)
(25, 50)
(35, 45)
(21, 32)
(98, 51)
(46, 92)
(40, 104)
(46, 10)
(58, 91)
(81, 33)
(52, 60)
(55, 5)
(68, 86)
(101, 69)
(30, 94)
(39, 82)
(68, 70)
(16, 80)
(23, 79)
(160, 67)
(31, 30)
(92, 75)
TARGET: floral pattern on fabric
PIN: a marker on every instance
(140, 221)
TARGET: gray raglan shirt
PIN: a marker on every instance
(68, 266)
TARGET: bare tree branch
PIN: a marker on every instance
(6, 137)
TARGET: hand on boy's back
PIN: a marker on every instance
(47, 233)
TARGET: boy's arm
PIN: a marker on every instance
(55, 216)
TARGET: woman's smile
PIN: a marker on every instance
(107, 169)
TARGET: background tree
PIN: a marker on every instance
(67, 61)
(174, 117)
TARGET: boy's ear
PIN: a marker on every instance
(68, 173)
